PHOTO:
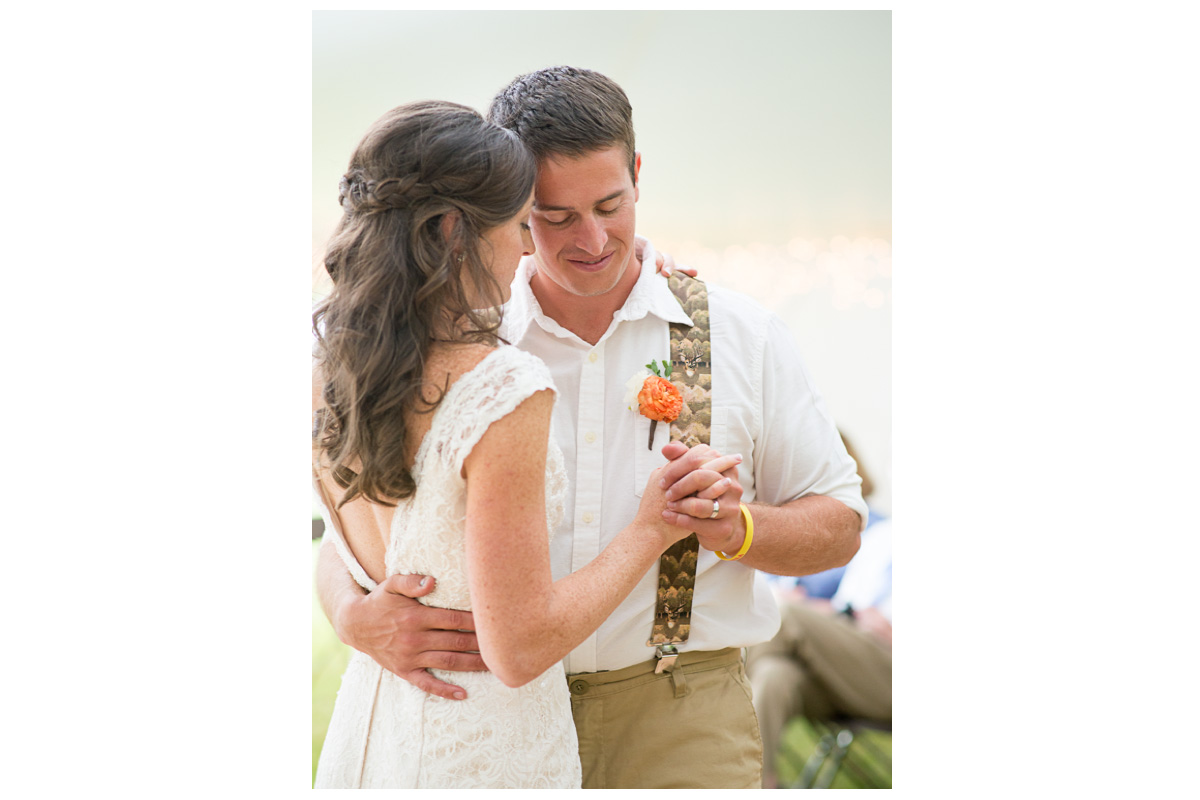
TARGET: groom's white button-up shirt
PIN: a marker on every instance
(765, 407)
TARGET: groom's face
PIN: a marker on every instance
(583, 220)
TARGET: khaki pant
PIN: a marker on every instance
(693, 728)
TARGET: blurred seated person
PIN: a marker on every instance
(832, 656)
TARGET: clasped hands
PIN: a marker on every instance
(696, 477)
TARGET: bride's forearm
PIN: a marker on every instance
(525, 620)
(518, 644)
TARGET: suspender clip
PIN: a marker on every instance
(666, 655)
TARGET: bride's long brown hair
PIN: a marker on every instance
(406, 260)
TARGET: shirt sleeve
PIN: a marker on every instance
(798, 451)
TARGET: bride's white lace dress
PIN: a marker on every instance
(386, 733)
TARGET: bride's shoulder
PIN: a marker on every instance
(498, 392)
(459, 359)
(490, 364)
(522, 371)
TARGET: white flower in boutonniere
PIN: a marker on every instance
(654, 396)
(633, 386)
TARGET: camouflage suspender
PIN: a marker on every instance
(691, 372)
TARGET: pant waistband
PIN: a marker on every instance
(705, 659)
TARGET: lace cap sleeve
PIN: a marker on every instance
(491, 391)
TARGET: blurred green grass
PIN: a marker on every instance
(330, 656)
(329, 659)
(800, 740)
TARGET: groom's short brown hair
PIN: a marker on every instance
(566, 111)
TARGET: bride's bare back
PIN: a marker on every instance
(366, 526)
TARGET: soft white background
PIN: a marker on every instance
(156, 577)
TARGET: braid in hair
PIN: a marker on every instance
(398, 278)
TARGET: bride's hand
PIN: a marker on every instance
(653, 514)
(663, 263)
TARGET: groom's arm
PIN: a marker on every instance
(389, 625)
(803, 537)
(808, 509)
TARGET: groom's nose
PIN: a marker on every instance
(591, 235)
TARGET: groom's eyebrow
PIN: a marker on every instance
(601, 201)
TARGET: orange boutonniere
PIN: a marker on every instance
(656, 397)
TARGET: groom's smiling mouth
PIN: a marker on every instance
(592, 264)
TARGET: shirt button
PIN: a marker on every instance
(592, 356)
(590, 437)
(579, 687)
(587, 516)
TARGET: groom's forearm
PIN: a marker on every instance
(802, 537)
(335, 587)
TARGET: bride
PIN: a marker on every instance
(431, 450)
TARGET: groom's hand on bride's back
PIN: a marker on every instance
(408, 638)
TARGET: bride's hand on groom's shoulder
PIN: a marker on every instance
(664, 264)
(408, 638)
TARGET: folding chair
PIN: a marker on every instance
(866, 765)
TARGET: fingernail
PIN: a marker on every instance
(459, 696)
(423, 582)
(672, 505)
(738, 457)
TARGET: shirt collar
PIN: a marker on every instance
(650, 295)
(522, 308)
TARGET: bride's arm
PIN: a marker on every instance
(525, 621)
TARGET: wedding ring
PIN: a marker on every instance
(716, 508)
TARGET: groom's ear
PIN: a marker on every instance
(637, 171)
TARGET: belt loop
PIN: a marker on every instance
(679, 682)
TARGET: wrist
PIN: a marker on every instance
(747, 540)
(737, 537)
(345, 616)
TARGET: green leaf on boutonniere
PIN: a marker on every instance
(665, 372)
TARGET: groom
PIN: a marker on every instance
(585, 306)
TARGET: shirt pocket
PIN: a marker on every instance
(647, 459)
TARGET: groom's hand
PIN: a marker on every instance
(408, 638)
(694, 478)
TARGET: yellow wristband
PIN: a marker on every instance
(749, 537)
